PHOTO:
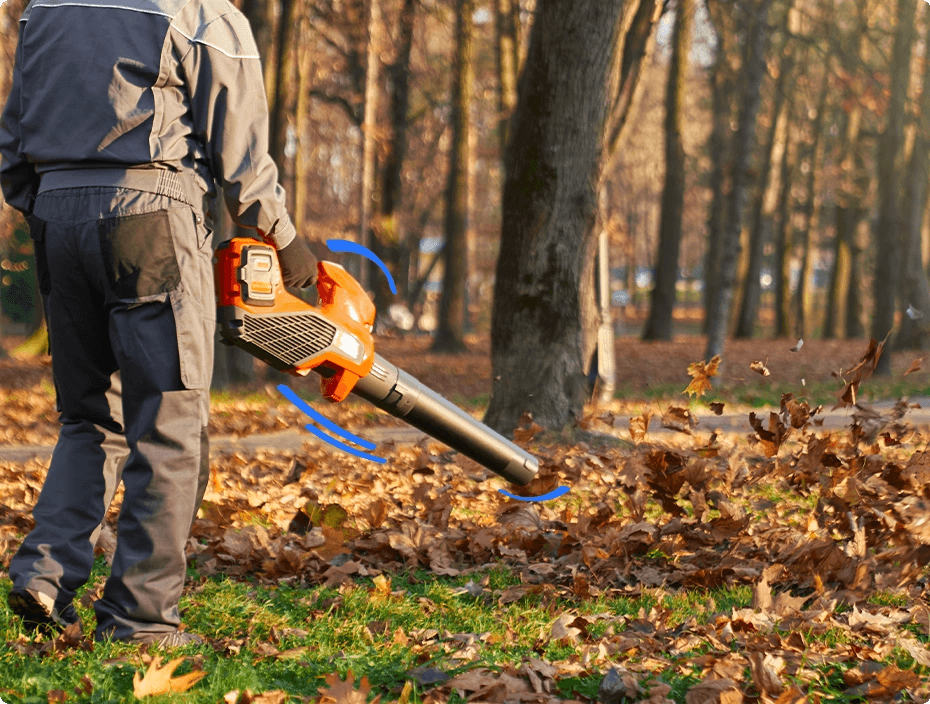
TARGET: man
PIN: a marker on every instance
(122, 116)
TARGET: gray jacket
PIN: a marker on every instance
(114, 84)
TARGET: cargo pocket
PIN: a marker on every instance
(192, 343)
(142, 268)
(138, 253)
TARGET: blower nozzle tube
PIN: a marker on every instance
(396, 392)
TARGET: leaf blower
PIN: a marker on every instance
(334, 339)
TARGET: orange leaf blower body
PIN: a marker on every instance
(334, 339)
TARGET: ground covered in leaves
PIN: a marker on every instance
(788, 564)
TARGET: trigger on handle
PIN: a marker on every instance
(338, 386)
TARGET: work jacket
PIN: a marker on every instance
(105, 85)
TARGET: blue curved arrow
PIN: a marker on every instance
(356, 248)
(561, 491)
(332, 427)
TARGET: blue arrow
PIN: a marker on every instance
(356, 248)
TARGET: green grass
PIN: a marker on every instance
(353, 628)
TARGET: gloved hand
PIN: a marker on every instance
(298, 265)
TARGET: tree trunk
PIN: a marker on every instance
(659, 323)
(638, 18)
(915, 290)
(719, 147)
(783, 236)
(369, 141)
(855, 328)
(804, 300)
(284, 52)
(507, 58)
(753, 73)
(851, 193)
(775, 147)
(887, 232)
(301, 161)
(394, 244)
(450, 330)
(554, 163)
(839, 275)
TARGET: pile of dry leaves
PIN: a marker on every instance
(815, 522)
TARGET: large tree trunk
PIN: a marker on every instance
(450, 330)
(753, 72)
(554, 163)
(887, 232)
(659, 323)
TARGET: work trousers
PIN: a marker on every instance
(127, 284)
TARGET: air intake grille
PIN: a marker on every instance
(289, 338)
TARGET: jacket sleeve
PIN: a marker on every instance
(18, 178)
(230, 117)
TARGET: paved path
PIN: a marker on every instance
(293, 440)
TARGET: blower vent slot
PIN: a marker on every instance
(289, 338)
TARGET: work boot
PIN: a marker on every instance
(160, 639)
(38, 610)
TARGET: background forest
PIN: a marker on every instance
(764, 166)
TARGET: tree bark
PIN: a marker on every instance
(915, 289)
(753, 73)
(394, 244)
(301, 161)
(783, 243)
(851, 193)
(810, 212)
(450, 330)
(369, 144)
(637, 39)
(887, 232)
(507, 59)
(719, 148)
(662, 306)
(554, 163)
(776, 140)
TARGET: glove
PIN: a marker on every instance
(298, 265)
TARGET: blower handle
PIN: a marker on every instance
(399, 394)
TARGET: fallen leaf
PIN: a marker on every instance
(760, 368)
(714, 691)
(340, 692)
(702, 373)
(915, 366)
(158, 680)
(639, 426)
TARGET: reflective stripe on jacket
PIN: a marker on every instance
(173, 84)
